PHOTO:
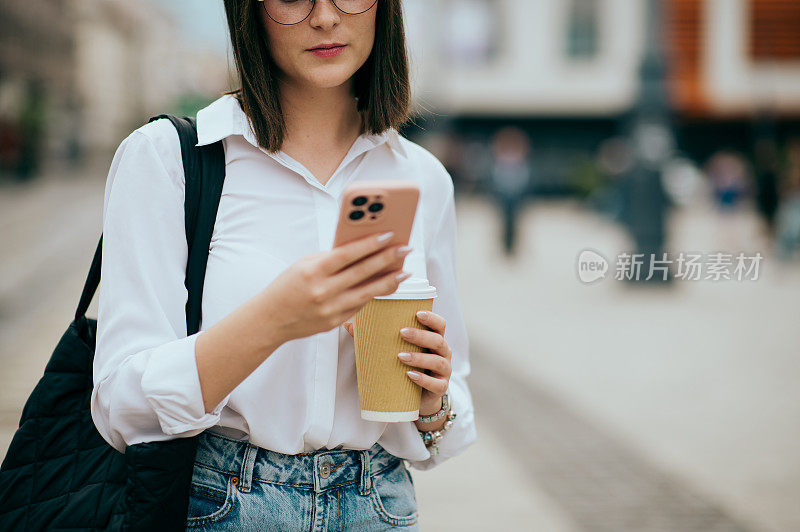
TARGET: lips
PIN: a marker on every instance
(327, 46)
(328, 52)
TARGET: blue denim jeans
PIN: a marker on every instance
(238, 486)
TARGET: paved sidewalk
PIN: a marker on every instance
(692, 391)
(48, 232)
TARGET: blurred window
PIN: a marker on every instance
(775, 29)
(471, 33)
(583, 29)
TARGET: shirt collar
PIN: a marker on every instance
(224, 117)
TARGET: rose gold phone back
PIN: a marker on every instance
(370, 207)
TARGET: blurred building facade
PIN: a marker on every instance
(101, 67)
(568, 72)
(37, 60)
(132, 64)
(580, 57)
(543, 58)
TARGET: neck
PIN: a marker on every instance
(319, 114)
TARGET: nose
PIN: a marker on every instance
(324, 14)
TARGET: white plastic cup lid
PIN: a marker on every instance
(412, 288)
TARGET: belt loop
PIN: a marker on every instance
(365, 481)
(246, 475)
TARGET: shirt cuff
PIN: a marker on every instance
(171, 385)
(457, 438)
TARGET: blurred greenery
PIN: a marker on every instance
(189, 103)
(586, 176)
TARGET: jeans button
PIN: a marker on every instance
(324, 470)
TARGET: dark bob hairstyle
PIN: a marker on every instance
(381, 84)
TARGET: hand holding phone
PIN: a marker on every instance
(376, 207)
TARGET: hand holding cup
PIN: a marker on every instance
(437, 362)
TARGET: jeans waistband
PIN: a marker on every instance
(319, 470)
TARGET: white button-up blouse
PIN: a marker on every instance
(273, 211)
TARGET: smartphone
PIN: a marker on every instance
(373, 207)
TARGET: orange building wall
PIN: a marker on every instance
(774, 30)
(773, 35)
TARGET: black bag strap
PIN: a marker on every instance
(92, 280)
(204, 170)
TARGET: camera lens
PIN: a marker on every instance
(359, 201)
(356, 215)
(375, 207)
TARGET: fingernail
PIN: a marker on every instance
(404, 250)
(405, 357)
(413, 374)
(405, 330)
(403, 276)
(423, 314)
(385, 236)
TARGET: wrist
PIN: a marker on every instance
(431, 407)
(427, 427)
(266, 319)
(429, 410)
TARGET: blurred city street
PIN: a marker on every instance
(576, 133)
(598, 407)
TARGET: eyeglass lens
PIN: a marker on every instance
(294, 11)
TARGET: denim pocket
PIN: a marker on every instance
(393, 497)
(211, 498)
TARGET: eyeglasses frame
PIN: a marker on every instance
(313, 4)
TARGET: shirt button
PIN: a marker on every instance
(324, 470)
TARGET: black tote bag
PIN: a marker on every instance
(59, 473)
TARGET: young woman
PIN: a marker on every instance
(270, 378)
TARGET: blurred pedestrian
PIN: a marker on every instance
(767, 195)
(32, 121)
(645, 207)
(767, 176)
(730, 179)
(787, 219)
(767, 171)
(510, 177)
(614, 159)
(732, 182)
(10, 141)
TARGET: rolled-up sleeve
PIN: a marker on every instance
(146, 384)
(441, 266)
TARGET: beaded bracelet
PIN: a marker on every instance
(440, 414)
(431, 438)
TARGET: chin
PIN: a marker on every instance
(329, 79)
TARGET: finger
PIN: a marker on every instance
(432, 361)
(428, 339)
(432, 320)
(368, 269)
(342, 256)
(433, 384)
(355, 298)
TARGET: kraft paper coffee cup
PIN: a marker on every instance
(385, 392)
